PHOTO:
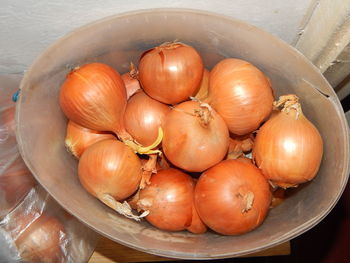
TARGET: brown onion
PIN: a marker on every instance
(94, 97)
(171, 72)
(15, 182)
(197, 226)
(143, 118)
(288, 147)
(78, 138)
(41, 239)
(278, 197)
(168, 199)
(232, 197)
(202, 93)
(110, 171)
(244, 159)
(195, 136)
(241, 94)
(132, 84)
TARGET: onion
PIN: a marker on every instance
(168, 200)
(241, 94)
(244, 159)
(239, 145)
(171, 72)
(232, 197)
(288, 147)
(197, 226)
(111, 171)
(40, 239)
(94, 96)
(195, 136)
(202, 94)
(143, 118)
(278, 196)
(132, 84)
(79, 138)
(15, 182)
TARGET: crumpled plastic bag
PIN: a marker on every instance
(33, 226)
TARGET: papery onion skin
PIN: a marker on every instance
(168, 199)
(143, 117)
(239, 145)
(241, 94)
(110, 167)
(232, 197)
(171, 72)
(288, 149)
(202, 93)
(78, 138)
(42, 239)
(94, 97)
(191, 145)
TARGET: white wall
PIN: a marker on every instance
(28, 26)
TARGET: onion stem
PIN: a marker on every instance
(138, 148)
(289, 102)
(122, 208)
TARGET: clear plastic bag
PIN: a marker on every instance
(15, 182)
(8, 143)
(39, 230)
(15, 178)
(33, 227)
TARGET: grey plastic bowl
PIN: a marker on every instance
(117, 40)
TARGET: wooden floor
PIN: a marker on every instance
(108, 251)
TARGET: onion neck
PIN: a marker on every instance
(148, 169)
(290, 105)
(133, 72)
(123, 135)
(170, 45)
(138, 148)
(122, 208)
(204, 113)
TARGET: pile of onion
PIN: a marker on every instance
(78, 138)
(94, 97)
(195, 148)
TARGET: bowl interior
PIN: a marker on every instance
(120, 39)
